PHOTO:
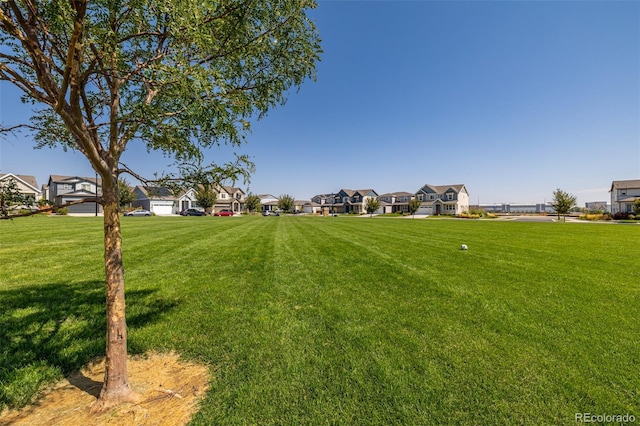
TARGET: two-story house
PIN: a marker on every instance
(25, 184)
(623, 194)
(351, 201)
(445, 199)
(396, 202)
(67, 189)
(230, 198)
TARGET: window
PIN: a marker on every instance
(64, 186)
(223, 195)
(86, 187)
(449, 196)
(432, 196)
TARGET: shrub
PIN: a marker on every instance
(63, 211)
(469, 216)
(621, 216)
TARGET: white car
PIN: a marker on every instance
(139, 212)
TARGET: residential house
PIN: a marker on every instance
(446, 199)
(351, 201)
(25, 184)
(268, 202)
(623, 194)
(61, 190)
(187, 200)
(230, 198)
(395, 202)
(164, 202)
(311, 207)
(158, 200)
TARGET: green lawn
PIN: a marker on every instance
(310, 320)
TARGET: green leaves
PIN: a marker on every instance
(563, 202)
(177, 75)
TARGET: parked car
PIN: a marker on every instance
(270, 213)
(224, 212)
(192, 212)
(138, 212)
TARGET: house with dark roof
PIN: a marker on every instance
(61, 190)
(443, 199)
(351, 201)
(623, 194)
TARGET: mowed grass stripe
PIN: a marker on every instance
(363, 321)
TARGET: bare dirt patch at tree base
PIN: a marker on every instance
(169, 390)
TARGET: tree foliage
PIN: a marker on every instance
(206, 197)
(286, 203)
(11, 198)
(125, 193)
(175, 76)
(371, 205)
(252, 202)
(563, 202)
(414, 206)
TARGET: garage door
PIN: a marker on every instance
(162, 209)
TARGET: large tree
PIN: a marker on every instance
(125, 193)
(206, 197)
(177, 76)
(252, 202)
(286, 203)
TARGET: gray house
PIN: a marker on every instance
(66, 189)
(443, 199)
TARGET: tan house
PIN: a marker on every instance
(623, 194)
(25, 184)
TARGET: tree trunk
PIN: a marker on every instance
(115, 389)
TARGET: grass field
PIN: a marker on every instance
(308, 320)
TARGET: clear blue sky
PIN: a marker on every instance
(512, 98)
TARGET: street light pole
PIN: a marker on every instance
(96, 194)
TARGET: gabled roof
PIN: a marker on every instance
(65, 179)
(625, 184)
(441, 189)
(397, 194)
(232, 189)
(365, 192)
(351, 192)
(25, 179)
(155, 192)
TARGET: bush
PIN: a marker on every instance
(63, 211)
(469, 216)
(621, 216)
(595, 216)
